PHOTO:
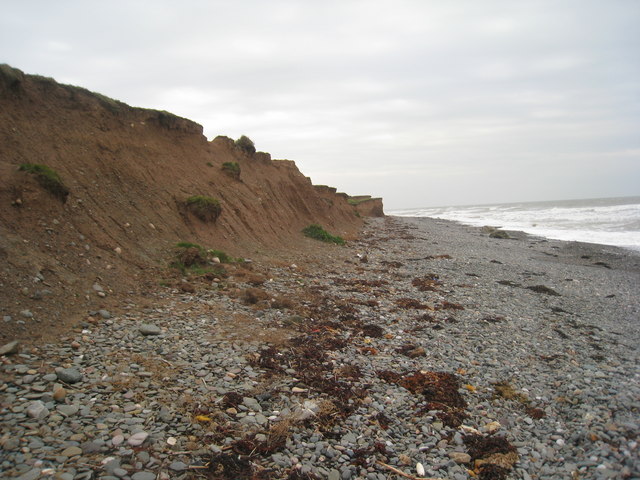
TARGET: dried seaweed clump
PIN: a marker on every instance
(428, 283)
(440, 390)
(493, 456)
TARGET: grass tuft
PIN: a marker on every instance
(318, 233)
(232, 169)
(48, 179)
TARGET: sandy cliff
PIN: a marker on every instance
(129, 172)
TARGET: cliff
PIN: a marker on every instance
(127, 174)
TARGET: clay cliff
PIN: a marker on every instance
(127, 174)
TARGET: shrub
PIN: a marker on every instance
(48, 179)
(205, 208)
(195, 259)
(245, 144)
(319, 233)
(251, 296)
(222, 256)
(232, 169)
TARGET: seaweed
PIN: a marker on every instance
(373, 331)
(444, 305)
(410, 303)
(543, 289)
(428, 283)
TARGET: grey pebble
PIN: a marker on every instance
(178, 466)
(144, 475)
(147, 329)
(69, 375)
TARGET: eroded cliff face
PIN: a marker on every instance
(129, 172)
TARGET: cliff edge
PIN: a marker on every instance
(125, 177)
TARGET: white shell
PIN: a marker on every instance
(419, 469)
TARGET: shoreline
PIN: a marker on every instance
(425, 341)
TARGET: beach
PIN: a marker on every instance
(424, 349)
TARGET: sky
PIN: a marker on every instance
(421, 102)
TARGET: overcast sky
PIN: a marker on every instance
(422, 102)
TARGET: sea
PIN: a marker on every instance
(606, 221)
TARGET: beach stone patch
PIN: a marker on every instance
(335, 393)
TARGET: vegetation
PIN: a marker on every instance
(48, 179)
(194, 259)
(318, 233)
(207, 209)
(358, 200)
(232, 169)
(245, 144)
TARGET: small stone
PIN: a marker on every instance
(492, 427)
(143, 476)
(67, 410)
(298, 390)
(9, 348)
(26, 313)
(30, 475)
(137, 439)
(69, 375)
(460, 457)
(171, 441)
(120, 472)
(117, 440)
(37, 410)
(97, 288)
(178, 466)
(104, 314)
(71, 452)
(348, 438)
(149, 329)
(420, 469)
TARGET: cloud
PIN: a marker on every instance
(383, 97)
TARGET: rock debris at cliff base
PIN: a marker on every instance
(206, 385)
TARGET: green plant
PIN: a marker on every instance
(189, 245)
(245, 144)
(205, 208)
(209, 164)
(194, 259)
(48, 179)
(318, 233)
(355, 201)
(232, 169)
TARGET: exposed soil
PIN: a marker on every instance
(129, 172)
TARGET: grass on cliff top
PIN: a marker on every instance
(358, 200)
(318, 233)
(48, 179)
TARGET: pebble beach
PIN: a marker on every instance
(425, 349)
